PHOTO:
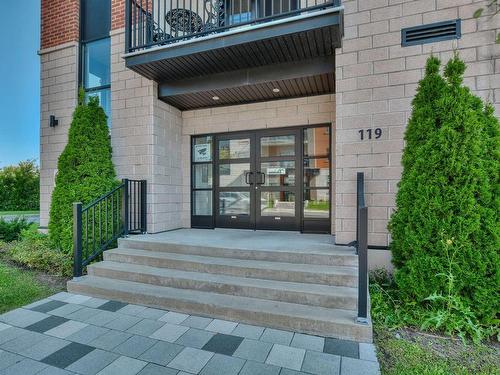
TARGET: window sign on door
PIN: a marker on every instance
(202, 152)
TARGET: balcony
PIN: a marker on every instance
(200, 49)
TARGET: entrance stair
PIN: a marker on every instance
(296, 282)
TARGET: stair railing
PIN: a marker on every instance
(362, 249)
(97, 225)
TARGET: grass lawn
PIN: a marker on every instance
(19, 287)
(18, 213)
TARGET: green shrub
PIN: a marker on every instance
(11, 230)
(85, 170)
(33, 250)
(20, 187)
(446, 226)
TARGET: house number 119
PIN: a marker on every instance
(368, 133)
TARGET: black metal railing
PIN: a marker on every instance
(97, 225)
(150, 23)
(362, 249)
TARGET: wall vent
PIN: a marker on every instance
(434, 32)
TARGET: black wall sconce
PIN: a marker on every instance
(53, 122)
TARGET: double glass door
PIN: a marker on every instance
(257, 180)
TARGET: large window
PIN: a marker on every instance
(95, 64)
(202, 181)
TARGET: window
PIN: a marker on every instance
(201, 181)
(95, 64)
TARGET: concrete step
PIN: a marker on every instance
(315, 320)
(313, 274)
(330, 255)
(307, 294)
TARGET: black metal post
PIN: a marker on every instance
(125, 206)
(144, 206)
(363, 265)
(128, 25)
(77, 239)
(360, 178)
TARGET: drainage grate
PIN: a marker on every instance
(434, 32)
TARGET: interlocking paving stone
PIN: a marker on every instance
(61, 296)
(25, 367)
(102, 318)
(195, 338)
(123, 322)
(308, 342)
(146, 327)
(169, 332)
(354, 366)
(67, 355)
(24, 340)
(50, 370)
(287, 371)
(248, 331)
(95, 302)
(112, 306)
(93, 362)
(7, 359)
(47, 324)
(152, 369)
(11, 334)
(66, 310)
(83, 314)
(277, 336)
(221, 326)
(4, 326)
(161, 353)
(223, 344)
(367, 352)
(173, 317)
(123, 366)
(197, 322)
(66, 329)
(22, 317)
(286, 356)
(48, 306)
(44, 348)
(257, 368)
(191, 360)
(37, 303)
(88, 334)
(77, 298)
(344, 348)
(132, 309)
(150, 313)
(222, 364)
(254, 350)
(321, 363)
(110, 340)
(135, 346)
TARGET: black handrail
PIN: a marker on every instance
(362, 249)
(97, 225)
(151, 23)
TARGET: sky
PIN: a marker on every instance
(19, 82)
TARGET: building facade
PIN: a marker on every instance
(256, 114)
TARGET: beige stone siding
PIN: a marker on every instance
(58, 88)
(146, 139)
(376, 79)
(273, 114)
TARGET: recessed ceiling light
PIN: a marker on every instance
(276, 89)
(215, 98)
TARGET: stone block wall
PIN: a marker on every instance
(376, 80)
(58, 86)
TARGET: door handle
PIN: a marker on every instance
(262, 180)
(247, 177)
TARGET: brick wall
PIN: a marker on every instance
(59, 22)
(314, 110)
(117, 14)
(376, 81)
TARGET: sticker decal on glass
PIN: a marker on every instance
(202, 152)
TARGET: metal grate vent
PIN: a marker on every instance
(434, 32)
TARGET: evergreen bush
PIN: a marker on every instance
(20, 187)
(85, 170)
(445, 229)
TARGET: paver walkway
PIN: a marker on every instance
(69, 333)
